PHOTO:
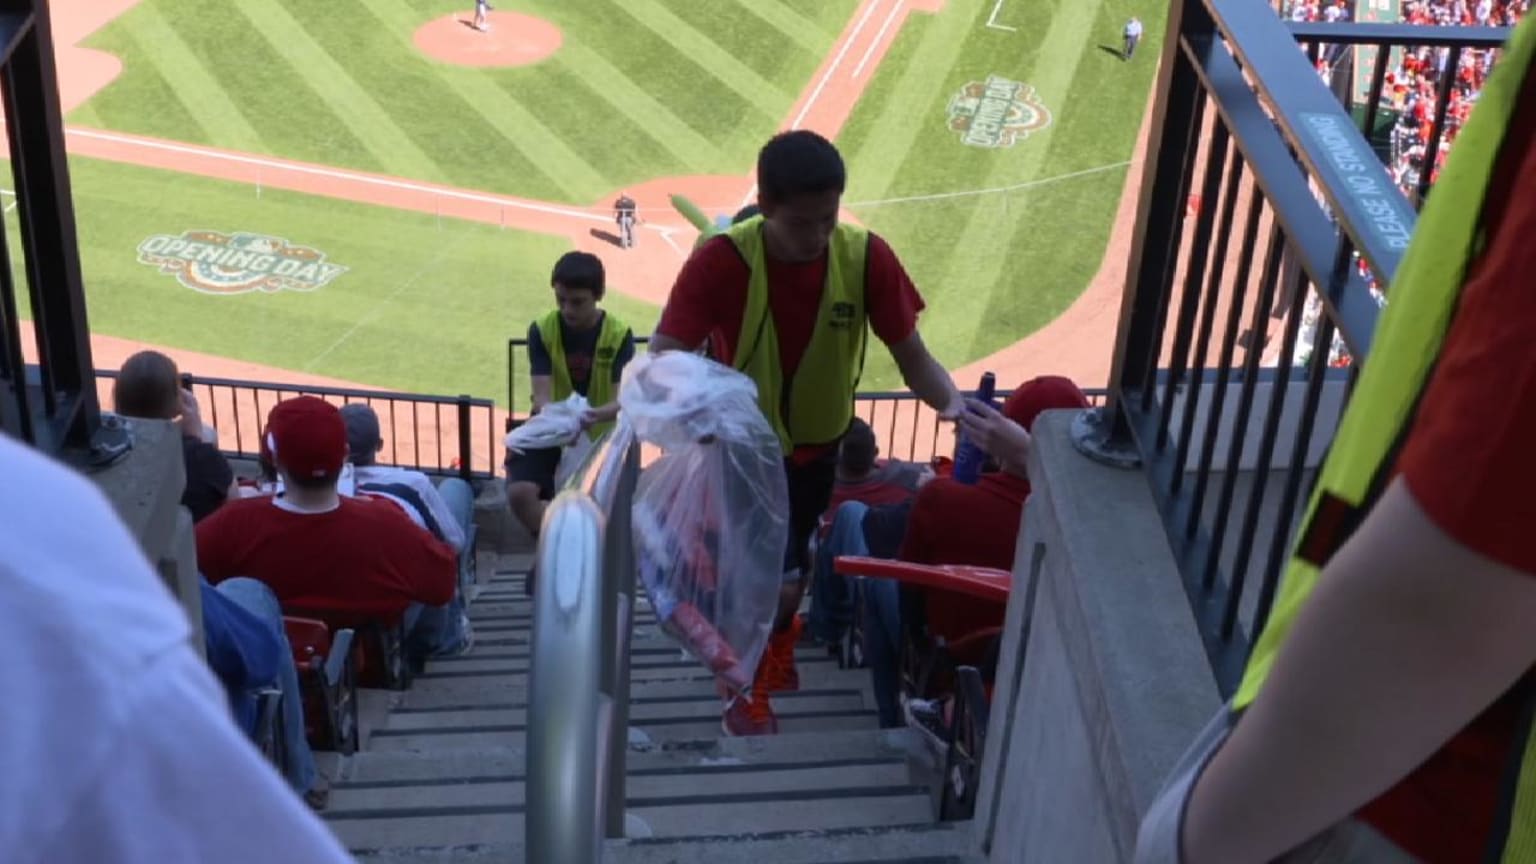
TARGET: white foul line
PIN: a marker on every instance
(821, 85)
(992, 19)
(879, 37)
(317, 171)
(836, 61)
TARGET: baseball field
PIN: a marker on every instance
(371, 190)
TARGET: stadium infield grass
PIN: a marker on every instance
(421, 308)
(628, 98)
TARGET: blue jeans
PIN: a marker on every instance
(432, 631)
(460, 499)
(882, 646)
(832, 594)
(256, 598)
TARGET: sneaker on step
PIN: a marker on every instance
(749, 715)
(776, 672)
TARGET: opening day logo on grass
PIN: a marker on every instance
(998, 112)
(216, 263)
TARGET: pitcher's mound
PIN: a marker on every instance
(512, 40)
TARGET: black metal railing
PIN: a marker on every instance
(1451, 60)
(905, 427)
(1247, 309)
(442, 435)
(51, 405)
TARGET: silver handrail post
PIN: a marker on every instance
(565, 687)
(618, 623)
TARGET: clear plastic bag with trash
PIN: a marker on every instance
(557, 425)
(711, 514)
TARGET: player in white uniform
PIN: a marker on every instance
(482, 8)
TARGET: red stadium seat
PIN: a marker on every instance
(328, 680)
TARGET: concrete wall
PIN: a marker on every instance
(1102, 679)
(145, 489)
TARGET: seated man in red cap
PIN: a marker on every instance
(953, 523)
(318, 550)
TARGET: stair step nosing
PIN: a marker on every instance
(659, 771)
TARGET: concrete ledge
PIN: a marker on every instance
(1102, 680)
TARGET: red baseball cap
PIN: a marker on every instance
(306, 437)
(1045, 393)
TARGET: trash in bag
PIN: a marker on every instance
(556, 425)
(711, 514)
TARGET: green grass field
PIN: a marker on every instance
(640, 90)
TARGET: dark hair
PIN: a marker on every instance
(858, 450)
(581, 270)
(147, 387)
(312, 484)
(799, 163)
(745, 213)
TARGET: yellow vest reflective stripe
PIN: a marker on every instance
(600, 386)
(1421, 304)
(816, 406)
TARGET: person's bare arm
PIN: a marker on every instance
(543, 391)
(929, 380)
(1408, 636)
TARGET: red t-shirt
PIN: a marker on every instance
(709, 299)
(952, 523)
(364, 558)
(1469, 462)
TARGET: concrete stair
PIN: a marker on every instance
(441, 777)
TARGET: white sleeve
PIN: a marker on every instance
(181, 785)
(453, 532)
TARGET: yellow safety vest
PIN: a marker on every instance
(816, 405)
(1420, 307)
(600, 385)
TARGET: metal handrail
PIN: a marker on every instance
(578, 686)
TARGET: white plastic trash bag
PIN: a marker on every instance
(711, 515)
(556, 425)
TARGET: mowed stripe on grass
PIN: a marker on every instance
(807, 33)
(742, 79)
(208, 103)
(649, 114)
(515, 125)
(888, 146)
(349, 100)
(1053, 72)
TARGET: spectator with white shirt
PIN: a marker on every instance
(444, 508)
(118, 743)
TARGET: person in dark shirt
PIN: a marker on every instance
(577, 349)
(624, 215)
(148, 387)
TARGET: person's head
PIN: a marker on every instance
(579, 284)
(1037, 395)
(856, 455)
(148, 387)
(363, 441)
(308, 442)
(800, 182)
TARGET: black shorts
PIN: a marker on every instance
(537, 467)
(810, 491)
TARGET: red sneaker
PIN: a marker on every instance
(749, 715)
(776, 672)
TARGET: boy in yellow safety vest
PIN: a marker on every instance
(578, 348)
(788, 298)
(1385, 714)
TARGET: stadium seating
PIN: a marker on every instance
(328, 679)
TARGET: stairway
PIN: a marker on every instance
(440, 777)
